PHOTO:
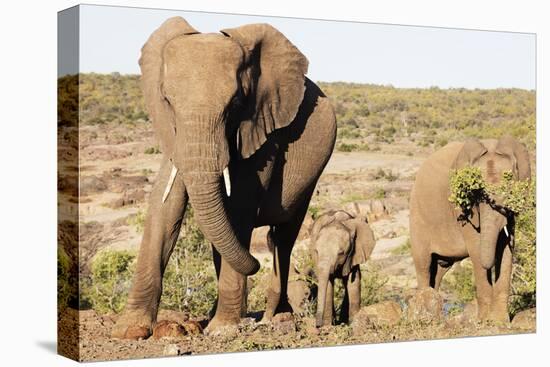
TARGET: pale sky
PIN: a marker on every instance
(403, 56)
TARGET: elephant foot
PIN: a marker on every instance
(499, 317)
(219, 326)
(267, 317)
(282, 308)
(132, 325)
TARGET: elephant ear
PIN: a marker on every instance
(277, 88)
(511, 147)
(151, 65)
(470, 152)
(364, 240)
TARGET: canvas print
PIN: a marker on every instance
(231, 183)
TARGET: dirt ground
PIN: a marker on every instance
(116, 177)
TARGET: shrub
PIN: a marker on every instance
(152, 150)
(403, 249)
(137, 220)
(382, 174)
(379, 193)
(111, 276)
(372, 282)
(67, 279)
(343, 147)
(467, 188)
(314, 211)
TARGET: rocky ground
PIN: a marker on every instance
(382, 322)
(118, 167)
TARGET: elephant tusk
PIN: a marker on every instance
(227, 181)
(506, 231)
(170, 183)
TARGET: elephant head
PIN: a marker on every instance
(494, 157)
(339, 242)
(214, 98)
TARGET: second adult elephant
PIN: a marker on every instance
(245, 136)
(442, 234)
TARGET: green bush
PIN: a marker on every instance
(110, 281)
(67, 279)
(403, 249)
(137, 220)
(344, 147)
(152, 150)
(467, 188)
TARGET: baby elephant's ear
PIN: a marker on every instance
(364, 240)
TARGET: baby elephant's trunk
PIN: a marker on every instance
(322, 298)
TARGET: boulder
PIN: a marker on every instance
(526, 319)
(168, 329)
(425, 306)
(91, 185)
(171, 350)
(387, 313)
(384, 313)
(284, 323)
(373, 209)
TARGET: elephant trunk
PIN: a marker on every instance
(200, 156)
(491, 223)
(323, 279)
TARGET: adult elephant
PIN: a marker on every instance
(442, 235)
(245, 136)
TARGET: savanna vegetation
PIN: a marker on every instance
(367, 114)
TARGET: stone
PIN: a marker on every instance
(171, 350)
(168, 329)
(425, 306)
(284, 322)
(384, 313)
(193, 327)
(526, 319)
(387, 313)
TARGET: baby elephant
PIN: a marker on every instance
(339, 244)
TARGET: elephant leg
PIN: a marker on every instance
(231, 301)
(329, 303)
(277, 300)
(344, 308)
(501, 288)
(282, 238)
(231, 295)
(161, 230)
(353, 289)
(422, 263)
(484, 289)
